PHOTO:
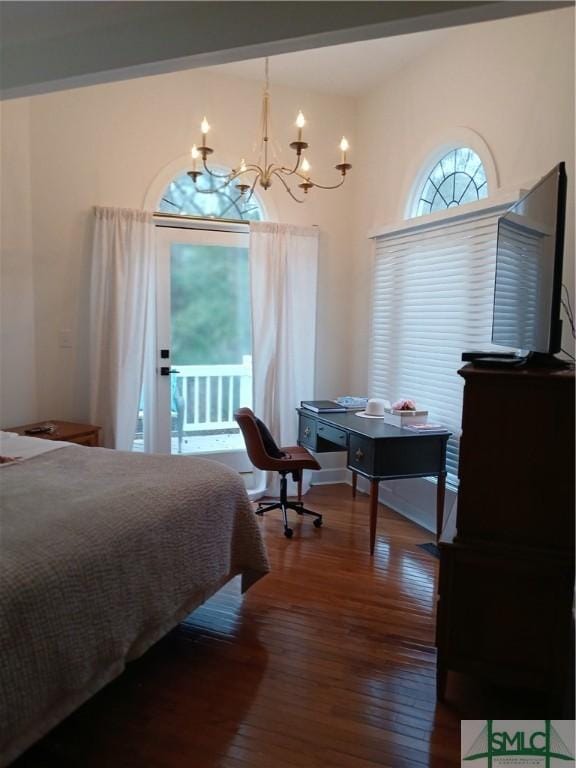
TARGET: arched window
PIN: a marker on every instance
(208, 198)
(457, 178)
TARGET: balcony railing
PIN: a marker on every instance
(206, 396)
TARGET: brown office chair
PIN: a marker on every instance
(265, 454)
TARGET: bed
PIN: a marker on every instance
(101, 553)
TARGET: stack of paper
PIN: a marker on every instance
(352, 403)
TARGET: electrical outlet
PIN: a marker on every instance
(65, 338)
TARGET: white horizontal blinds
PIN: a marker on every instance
(433, 298)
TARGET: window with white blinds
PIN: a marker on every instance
(433, 298)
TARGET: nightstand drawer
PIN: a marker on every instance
(91, 440)
(332, 434)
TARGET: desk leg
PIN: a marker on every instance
(354, 484)
(373, 512)
(440, 494)
(300, 485)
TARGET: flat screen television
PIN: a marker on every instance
(528, 282)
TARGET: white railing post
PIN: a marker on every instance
(246, 382)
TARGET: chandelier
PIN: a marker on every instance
(262, 172)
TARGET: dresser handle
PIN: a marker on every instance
(307, 432)
(359, 454)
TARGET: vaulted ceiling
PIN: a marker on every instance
(53, 45)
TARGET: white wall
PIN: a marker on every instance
(105, 145)
(17, 316)
(511, 81)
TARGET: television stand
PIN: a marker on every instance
(533, 361)
(544, 360)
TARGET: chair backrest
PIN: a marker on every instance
(255, 447)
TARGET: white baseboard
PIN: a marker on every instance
(413, 499)
(331, 476)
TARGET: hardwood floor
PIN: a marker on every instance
(327, 662)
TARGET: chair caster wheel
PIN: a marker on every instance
(318, 522)
(288, 532)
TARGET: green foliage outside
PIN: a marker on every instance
(210, 305)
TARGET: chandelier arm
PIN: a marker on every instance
(212, 191)
(290, 171)
(294, 172)
(287, 172)
(333, 186)
(250, 168)
(251, 193)
(228, 176)
(287, 188)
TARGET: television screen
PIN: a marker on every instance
(529, 268)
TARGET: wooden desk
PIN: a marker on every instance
(378, 452)
(70, 432)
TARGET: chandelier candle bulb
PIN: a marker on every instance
(195, 155)
(305, 165)
(300, 123)
(344, 147)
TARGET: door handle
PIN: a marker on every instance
(165, 371)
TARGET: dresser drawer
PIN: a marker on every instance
(307, 432)
(361, 454)
(332, 434)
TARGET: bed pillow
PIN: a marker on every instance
(269, 443)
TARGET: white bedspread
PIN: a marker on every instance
(22, 447)
(101, 553)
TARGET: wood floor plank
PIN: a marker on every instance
(327, 662)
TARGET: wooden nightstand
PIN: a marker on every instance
(81, 434)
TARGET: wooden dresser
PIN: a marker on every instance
(71, 432)
(505, 606)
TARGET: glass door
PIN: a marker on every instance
(204, 355)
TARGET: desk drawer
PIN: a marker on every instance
(361, 454)
(307, 432)
(332, 434)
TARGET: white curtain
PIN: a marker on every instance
(122, 319)
(283, 282)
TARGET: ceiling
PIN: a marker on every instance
(50, 45)
(347, 70)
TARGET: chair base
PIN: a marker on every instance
(285, 505)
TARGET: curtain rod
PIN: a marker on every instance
(191, 217)
(205, 219)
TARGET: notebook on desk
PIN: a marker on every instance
(323, 406)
